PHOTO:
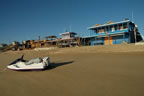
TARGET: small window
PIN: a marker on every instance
(115, 26)
(120, 27)
(125, 26)
(101, 30)
(95, 30)
(106, 29)
(112, 28)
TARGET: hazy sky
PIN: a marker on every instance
(28, 19)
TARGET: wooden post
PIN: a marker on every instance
(135, 29)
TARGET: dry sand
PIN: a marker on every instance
(83, 71)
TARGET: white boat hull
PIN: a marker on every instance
(34, 64)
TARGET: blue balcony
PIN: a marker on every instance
(109, 32)
(118, 31)
(98, 34)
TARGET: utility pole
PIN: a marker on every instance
(70, 28)
(39, 41)
(132, 17)
(38, 38)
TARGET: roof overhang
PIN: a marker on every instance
(65, 33)
(126, 21)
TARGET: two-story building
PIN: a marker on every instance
(68, 39)
(68, 35)
(114, 33)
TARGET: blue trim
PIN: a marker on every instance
(118, 31)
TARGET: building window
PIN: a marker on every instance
(112, 28)
(101, 30)
(115, 26)
(125, 26)
(106, 29)
(120, 27)
(95, 30)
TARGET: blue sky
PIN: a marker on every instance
(28, 19)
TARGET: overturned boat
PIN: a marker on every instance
(33, 64)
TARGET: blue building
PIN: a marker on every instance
(114, 33)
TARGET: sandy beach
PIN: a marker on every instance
(81, 71)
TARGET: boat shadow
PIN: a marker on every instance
(55, 64)
(51, 66)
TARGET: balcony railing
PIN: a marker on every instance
(109, 32)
